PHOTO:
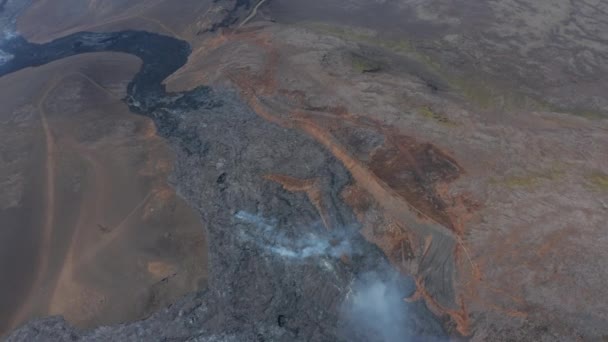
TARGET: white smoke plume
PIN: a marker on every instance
(8, 35)
(5, 57)
(374, 310)
(310, 245)
(5, 36)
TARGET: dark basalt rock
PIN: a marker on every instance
(274, 275)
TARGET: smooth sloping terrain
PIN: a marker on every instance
(91, 229)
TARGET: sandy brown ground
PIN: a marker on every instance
(91, 229)
(160, 16)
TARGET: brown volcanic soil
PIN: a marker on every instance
(91, 229)
(469, 199)
(46, 20)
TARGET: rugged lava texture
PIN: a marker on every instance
(388, 170)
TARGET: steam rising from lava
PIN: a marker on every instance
(374, 310)
(4, 37)
(5, 57)
(308, 246)
(376, 307)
